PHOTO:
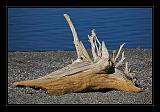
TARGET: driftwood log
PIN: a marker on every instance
(99, 73)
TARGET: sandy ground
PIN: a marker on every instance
(31, 65)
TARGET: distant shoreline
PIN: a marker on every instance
(66, 50)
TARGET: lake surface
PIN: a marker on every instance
(45, 29)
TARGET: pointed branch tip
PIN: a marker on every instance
(105, 53)
(120, 62)
(118, 52)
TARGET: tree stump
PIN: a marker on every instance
(99, 73)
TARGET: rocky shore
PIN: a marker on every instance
(31, 65)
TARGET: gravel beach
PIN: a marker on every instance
(32, 65)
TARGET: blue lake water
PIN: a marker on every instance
(46, 29)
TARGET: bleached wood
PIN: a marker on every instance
(84, 74)
(100, 66)
(100, 46)
(84, 53)
(126, 68)
(105, 53)
(93, 49)
(118, 52)
(68, 70)
(75, 36)
(95, 41)
(120, 62)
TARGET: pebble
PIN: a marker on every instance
(31, 65)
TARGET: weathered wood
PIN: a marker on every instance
(85, 74)
(75, 36)
(105, 53)
(68, 70)
(118, 52)
(81, 51)
(93, 48)
(84, 54)
(120, 62)
(83, 82)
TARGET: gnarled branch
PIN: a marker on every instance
(84, 74)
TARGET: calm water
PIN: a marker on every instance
(46, 28)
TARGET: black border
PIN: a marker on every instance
(80, 2)
(71, 3)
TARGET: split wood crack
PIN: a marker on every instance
(87, 74)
